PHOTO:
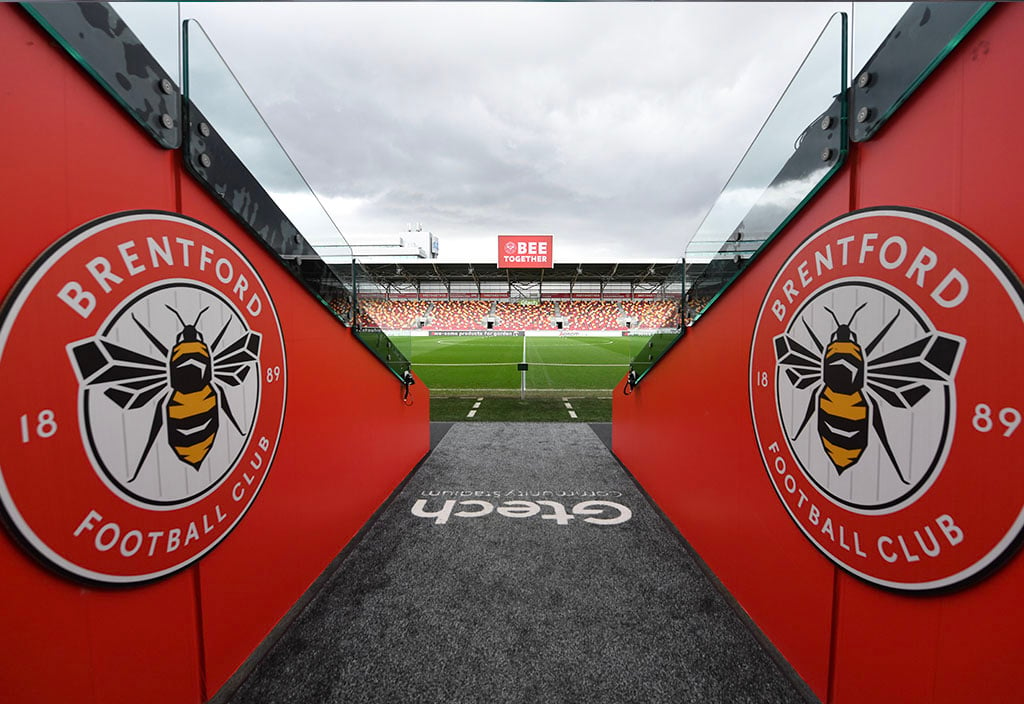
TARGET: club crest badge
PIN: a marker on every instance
(148, 364)
(882, 400)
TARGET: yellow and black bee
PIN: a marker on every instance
(847, 379)
(187, 381)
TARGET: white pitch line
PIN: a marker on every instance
(509, 364)
(464, 364)
(569, 406)
(476, 405)
(471, 414)
(572, 414)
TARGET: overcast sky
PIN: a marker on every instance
(611, 126)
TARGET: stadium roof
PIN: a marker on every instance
(651, 273)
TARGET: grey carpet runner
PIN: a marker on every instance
(520, 563)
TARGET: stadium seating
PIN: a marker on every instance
(520, 316)
(545, 315)
(395, 315)
(592, 315)
(652, 314)
(341, 307)
(458, 315)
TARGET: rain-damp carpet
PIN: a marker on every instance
(519, 563)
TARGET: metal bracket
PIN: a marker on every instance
(218, 169)
(213, 163)
(917, 44)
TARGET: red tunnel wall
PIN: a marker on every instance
(71, 155)
(948, 151)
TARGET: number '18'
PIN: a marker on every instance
(46, 425)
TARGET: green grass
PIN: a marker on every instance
(459, 370)
(506, 409)
(450, 364)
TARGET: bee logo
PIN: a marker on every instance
(885, 400)
(187, 382)
(849, 381)
(146, 378)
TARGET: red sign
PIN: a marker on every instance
(144, 368)
(886, 401)
(525, 252)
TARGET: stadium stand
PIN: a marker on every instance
(396, 315)
(592, 315)
(652, 314)
(525, 316)
(458, 315)
(596, 297)
(475, 314)
(342, 307)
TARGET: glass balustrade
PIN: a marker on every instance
(800, 146)
(670, 316)
(374, 322)
(235, 154)
(141, 53)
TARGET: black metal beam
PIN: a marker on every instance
(100, 41)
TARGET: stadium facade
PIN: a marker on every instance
(617, 296)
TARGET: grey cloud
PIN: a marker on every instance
(613, 126)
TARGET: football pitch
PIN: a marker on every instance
(584, 366)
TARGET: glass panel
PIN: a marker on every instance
(383, 328)
(124, 62)
(870, 24)
(921, 38)
(252, 174)
(212, 88)
(799, 147)
(158, 27)
(342, 301)
(657, 333)
(328, 283)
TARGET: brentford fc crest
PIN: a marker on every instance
(144, 366)
(884, 400)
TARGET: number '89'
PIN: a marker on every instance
(1009, 418)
